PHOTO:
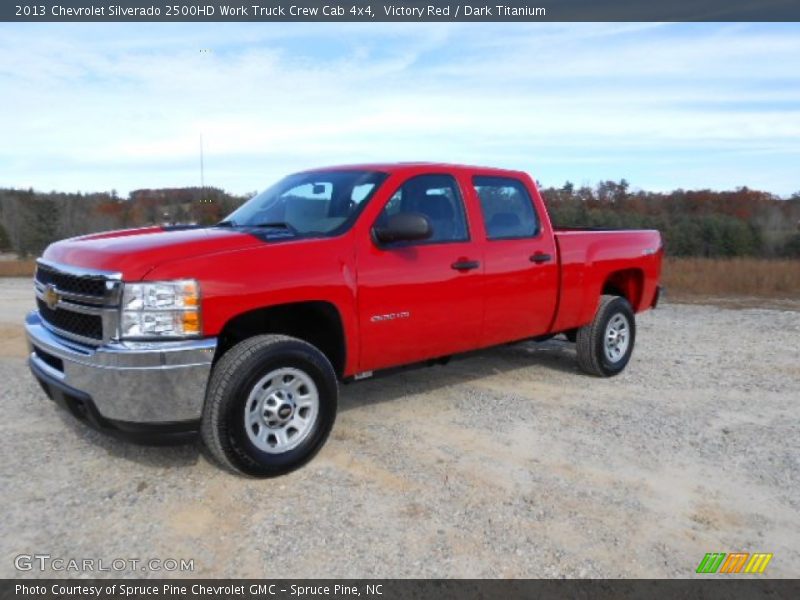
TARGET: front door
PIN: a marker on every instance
(420, 300)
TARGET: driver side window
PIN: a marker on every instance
(437, 198)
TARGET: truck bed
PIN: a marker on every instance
(588, 256)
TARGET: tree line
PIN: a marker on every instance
(705, 223)
(742, 222)
(31, 220)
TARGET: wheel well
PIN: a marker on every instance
(317, 323)
(627, 283)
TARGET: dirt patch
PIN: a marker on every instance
(12, 341)
(16, 299)
(736, 302)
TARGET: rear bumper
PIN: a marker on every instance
(123, 387)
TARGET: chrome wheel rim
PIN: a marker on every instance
(281, 410)
(617, 337)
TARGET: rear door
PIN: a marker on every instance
(520, 266)
(420, 300)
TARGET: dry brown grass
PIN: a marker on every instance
(685, 278)
(17, 268)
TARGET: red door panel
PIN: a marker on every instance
(520, 261)
(520, 294)
(414, 305)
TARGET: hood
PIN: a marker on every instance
(135, 252)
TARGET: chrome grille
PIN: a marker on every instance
(81, 325)
(75, 284)
(79, 304)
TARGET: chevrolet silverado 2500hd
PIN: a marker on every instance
(242, 330)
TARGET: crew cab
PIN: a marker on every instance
(243, 330)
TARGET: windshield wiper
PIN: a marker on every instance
(226, 224)
(278, 224)
(275, 225)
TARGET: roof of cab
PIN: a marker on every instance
(419, 167)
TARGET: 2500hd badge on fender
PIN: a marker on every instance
(244, 329)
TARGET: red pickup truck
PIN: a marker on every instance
(242, 330)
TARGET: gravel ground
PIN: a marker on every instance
(505, 463)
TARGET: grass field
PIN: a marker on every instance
(17, 268)
(685, 279)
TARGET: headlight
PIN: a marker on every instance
(161, 309)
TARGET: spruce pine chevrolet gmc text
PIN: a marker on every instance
(242, 331)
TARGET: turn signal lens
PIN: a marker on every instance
(191, 296)
(191, 323)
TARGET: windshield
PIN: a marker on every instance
(309, 204)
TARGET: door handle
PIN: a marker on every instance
(540, 257)
(465, 265)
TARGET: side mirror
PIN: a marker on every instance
(405, 227)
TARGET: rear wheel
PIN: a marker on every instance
(270, 406)
(605, 345)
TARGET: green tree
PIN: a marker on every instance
(5, 241)
(791, 248)
(38, 224)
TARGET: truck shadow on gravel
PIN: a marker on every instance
(157, 456)
(463, 369)
(385, 387)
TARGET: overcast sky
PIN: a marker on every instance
(109, 106)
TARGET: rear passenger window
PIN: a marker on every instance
(507, 208)
(435, 196)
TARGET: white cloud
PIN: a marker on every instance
(101, 107)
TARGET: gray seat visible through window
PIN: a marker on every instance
(507, 208)
(506, 224)
(439, 210)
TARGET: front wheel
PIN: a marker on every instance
(605, 345)
(270, 405)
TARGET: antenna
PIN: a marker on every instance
(202, 173)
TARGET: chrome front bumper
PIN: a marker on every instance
(136, 383)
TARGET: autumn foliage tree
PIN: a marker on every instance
(742, 222)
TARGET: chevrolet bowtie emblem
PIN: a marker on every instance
(51, 296)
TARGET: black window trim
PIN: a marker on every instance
(537, 232)
(464, 213)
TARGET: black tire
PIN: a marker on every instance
(591, 338)
(571, 335)
(234, 377)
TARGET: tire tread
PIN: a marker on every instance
(588, 339)
(227, 368)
